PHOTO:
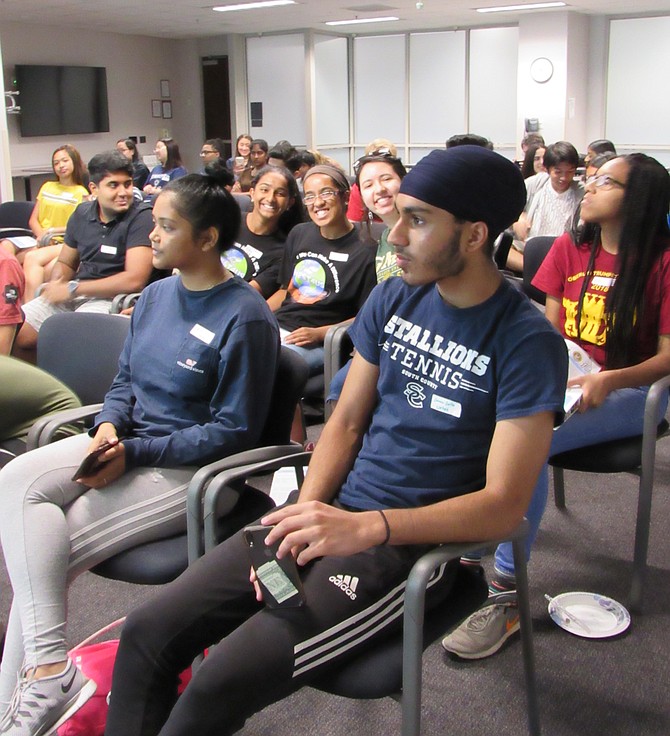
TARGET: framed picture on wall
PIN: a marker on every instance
(156, 108)
(167, 109)
(165, 87)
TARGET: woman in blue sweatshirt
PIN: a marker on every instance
(194, 384)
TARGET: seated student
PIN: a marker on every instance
(128, 148)
(299, 164)
(169, 168)
(258, 251)
(280, 153)
(239, 161)
(378, 147)
(327, 273)
(598, 147)
(106, 250)
(195, 380)
(608, 289)
(258, 158)
(212, 150)
(417, 453)
(378, 179)
(56, 201)
(12, 288)
(533, 161)
(552, 200)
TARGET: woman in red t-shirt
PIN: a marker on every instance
(608, 289)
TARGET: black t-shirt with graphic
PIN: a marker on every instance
(256, 257)
(327, 280)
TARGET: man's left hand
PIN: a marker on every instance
(314, 529)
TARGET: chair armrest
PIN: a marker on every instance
(15, 232)
(123, 301)
(657, 391)
(414, 609)
(203, 479)
(45, 428)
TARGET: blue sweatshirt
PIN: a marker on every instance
(195, 376)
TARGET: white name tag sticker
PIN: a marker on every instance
(202, 333)
(446, 406)
(602, 282)
(110, 250)
(335, 256)
(251, 251)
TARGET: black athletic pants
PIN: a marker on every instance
(262, 655)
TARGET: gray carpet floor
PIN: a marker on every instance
(614, 686)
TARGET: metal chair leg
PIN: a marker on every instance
(559, 488)
(523, 599)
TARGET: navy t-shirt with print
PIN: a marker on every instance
(446, 376)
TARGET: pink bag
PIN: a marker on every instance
(96, 661)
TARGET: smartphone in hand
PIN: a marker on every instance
(90, 465)
(278, 578)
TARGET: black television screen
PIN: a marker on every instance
(62, 100)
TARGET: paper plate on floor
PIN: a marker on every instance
(589, 615)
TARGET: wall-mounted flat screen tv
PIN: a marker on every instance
(62, 100)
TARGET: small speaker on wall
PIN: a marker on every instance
(256, 110)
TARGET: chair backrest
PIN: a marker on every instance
(501, 249)
(533, 254)
(82, 350)
(16, 214)
(292, 373)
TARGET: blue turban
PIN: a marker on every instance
(470, 182)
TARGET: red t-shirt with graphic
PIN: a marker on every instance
(562, 274)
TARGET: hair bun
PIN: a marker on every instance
(219, 173)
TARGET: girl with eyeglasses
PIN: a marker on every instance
(608, 290)
(169, 167)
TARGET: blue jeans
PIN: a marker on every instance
(337, 384)
(312, 356)
(621, 415)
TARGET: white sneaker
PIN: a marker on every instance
(40, 706)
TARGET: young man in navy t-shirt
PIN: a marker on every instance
(439, 435)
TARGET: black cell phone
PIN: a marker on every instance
(278, 578)
(90, 463)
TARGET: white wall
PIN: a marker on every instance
(493, 84)
(543, 35)
(638, 104)
(135, 66)
(283, 94)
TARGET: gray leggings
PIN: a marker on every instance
(52, 529)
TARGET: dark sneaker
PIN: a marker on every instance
(40, 706)
(486, 630)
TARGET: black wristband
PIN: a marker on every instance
(388, 528)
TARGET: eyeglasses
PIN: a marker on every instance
(326, 194)
(376, 154)
(204, 152)
(604, 181)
